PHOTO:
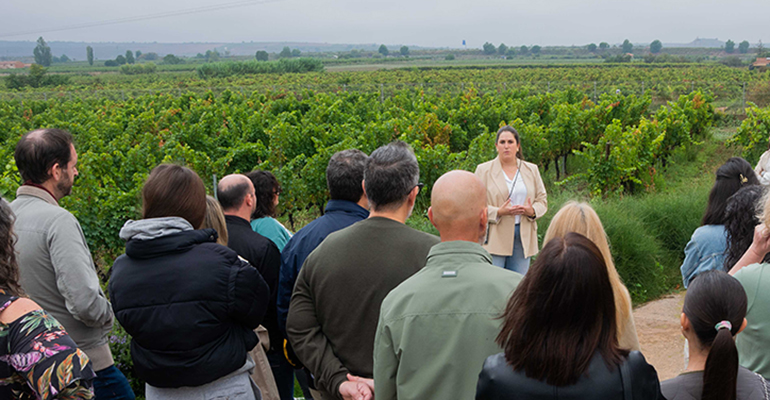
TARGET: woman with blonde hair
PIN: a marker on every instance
(215, 219)
(582, 219)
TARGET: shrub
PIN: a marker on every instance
(282, 66)
(137, 69)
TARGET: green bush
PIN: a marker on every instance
(137, 69)
(283, 66)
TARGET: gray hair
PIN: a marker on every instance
(391, 174)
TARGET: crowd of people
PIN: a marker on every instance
(223, 302)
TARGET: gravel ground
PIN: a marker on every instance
(660, 336)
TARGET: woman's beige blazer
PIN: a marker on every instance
(501, 228)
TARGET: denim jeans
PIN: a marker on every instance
(283, 373)
(111, 384)
(515, 262)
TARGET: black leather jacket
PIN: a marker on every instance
(499, 381)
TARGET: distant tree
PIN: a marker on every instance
(404, 51)
(510, 53)
(604, 45)
(42, 53)
(760, 49)
(285, 53)
(90, 55)
(138, 54)
(591, 47)
(120, 60)
(502, 49)
(171, 59)
(656, 46)
(627, 46)
(523, 50)
(212, 56)
(295, 52)
(489, 49)
(733, 61)
(110, 63)
(64, 58)
(151, 56)
(743, 47)
(729, 47)
(130, 57)
(261, 55)
(200, 55)
(535, 50)
(383, 50)
(449, 57)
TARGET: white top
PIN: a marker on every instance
(763, 169)
(518, 194)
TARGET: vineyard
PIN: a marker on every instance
(618, 128)
(620, 140)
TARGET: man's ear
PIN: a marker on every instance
(55, 172)
(430, 217)
(484, 220)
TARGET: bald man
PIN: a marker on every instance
(436, 328)
(238, 199)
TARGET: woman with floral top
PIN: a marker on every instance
(38, 360)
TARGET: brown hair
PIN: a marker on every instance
(9, 268)
(174, 191)
(561, 314)
(215, 219)
(515, 133)
(581, 218)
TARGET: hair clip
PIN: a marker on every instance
(743, 179)
(724, 324)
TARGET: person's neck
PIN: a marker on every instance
(512, 164)
(401, 214)
(50, 187)
(698, 356)
(242, 213)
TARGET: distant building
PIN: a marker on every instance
(12, 65)
(761, 63)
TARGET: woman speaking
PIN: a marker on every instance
(516, 198)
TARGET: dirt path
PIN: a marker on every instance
(660, 336)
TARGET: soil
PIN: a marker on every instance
(660, 335)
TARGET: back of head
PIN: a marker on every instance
(561, 314)
(9, 269)
(730, 177)
(215, 219)
(266, 188)
(714, 297)
(39, 150)
(740, 220)
(174, 191)
(581, 218)
(458, 206)
(391, 174)
(345, 173)
(232, 191)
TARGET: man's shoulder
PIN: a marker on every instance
(32, 213)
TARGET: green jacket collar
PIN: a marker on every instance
(458, 251)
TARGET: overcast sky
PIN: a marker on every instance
(431, 23)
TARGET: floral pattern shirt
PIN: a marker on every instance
(38, 360)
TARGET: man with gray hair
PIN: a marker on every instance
(335, 306)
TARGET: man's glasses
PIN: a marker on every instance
(419, 187)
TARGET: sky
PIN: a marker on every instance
(427, 23)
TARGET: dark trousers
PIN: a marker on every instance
(111, 384)
(283, 373)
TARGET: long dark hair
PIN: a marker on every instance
(9, 268)
(515, 133)
(740, 220)
(266, 187)
(713, 297)
(561, 314)
(731, 176)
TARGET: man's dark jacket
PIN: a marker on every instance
(262, 253)
(191, 306)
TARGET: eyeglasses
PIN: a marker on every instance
(419, 187)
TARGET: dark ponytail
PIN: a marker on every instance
(716, 305)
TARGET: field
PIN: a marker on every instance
(639, 142)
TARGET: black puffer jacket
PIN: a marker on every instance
(498, 381)
(190, 305)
